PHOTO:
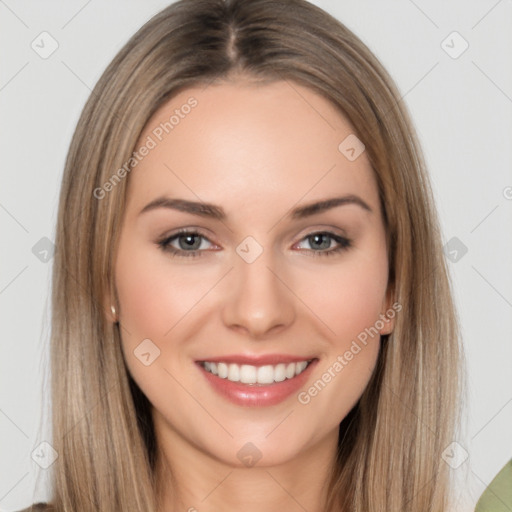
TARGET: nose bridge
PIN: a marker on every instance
(258, 301)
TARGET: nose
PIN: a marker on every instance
(259, 300)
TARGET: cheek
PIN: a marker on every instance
(348, 298)
(154, 293)
(348, 302)
(154, 296)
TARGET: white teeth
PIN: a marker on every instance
(279, 372)
(290, 370)
(301, 367)
(222, 370)
(234, 373)
(265, 374)
(249, 374)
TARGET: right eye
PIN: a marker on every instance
(187, 239)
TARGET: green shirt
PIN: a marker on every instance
(497, 497)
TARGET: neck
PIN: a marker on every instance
(190, 480)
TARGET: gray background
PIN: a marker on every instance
(462, 110)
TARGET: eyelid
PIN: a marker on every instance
(342, 242)
(324, 228)
(302, 234)
(192, 230)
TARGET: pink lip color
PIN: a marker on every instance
(257, 394)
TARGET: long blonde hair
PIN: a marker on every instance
(391, 442)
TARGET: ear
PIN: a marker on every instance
(110, 308)
(388, 312)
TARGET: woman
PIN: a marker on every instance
(250, 373)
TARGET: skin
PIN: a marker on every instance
(257, 151)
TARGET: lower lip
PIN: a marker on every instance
(258, 395)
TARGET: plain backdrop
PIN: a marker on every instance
(461, 105)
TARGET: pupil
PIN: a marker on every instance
(324, 245)
(189, 243)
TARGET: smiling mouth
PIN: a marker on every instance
(256, 375)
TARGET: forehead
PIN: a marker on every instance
(237, 143)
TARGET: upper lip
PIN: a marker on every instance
(256, 360)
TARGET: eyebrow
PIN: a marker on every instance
(213, 211)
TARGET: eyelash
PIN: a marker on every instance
(345, 244)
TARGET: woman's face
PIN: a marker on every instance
(256, 289)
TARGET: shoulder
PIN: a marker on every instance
(38, 507)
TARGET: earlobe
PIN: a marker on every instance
(114, 313)
(389, 313)
(389, 324)
(110, 309)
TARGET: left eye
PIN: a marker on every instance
(343, 243)
(189, 243)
